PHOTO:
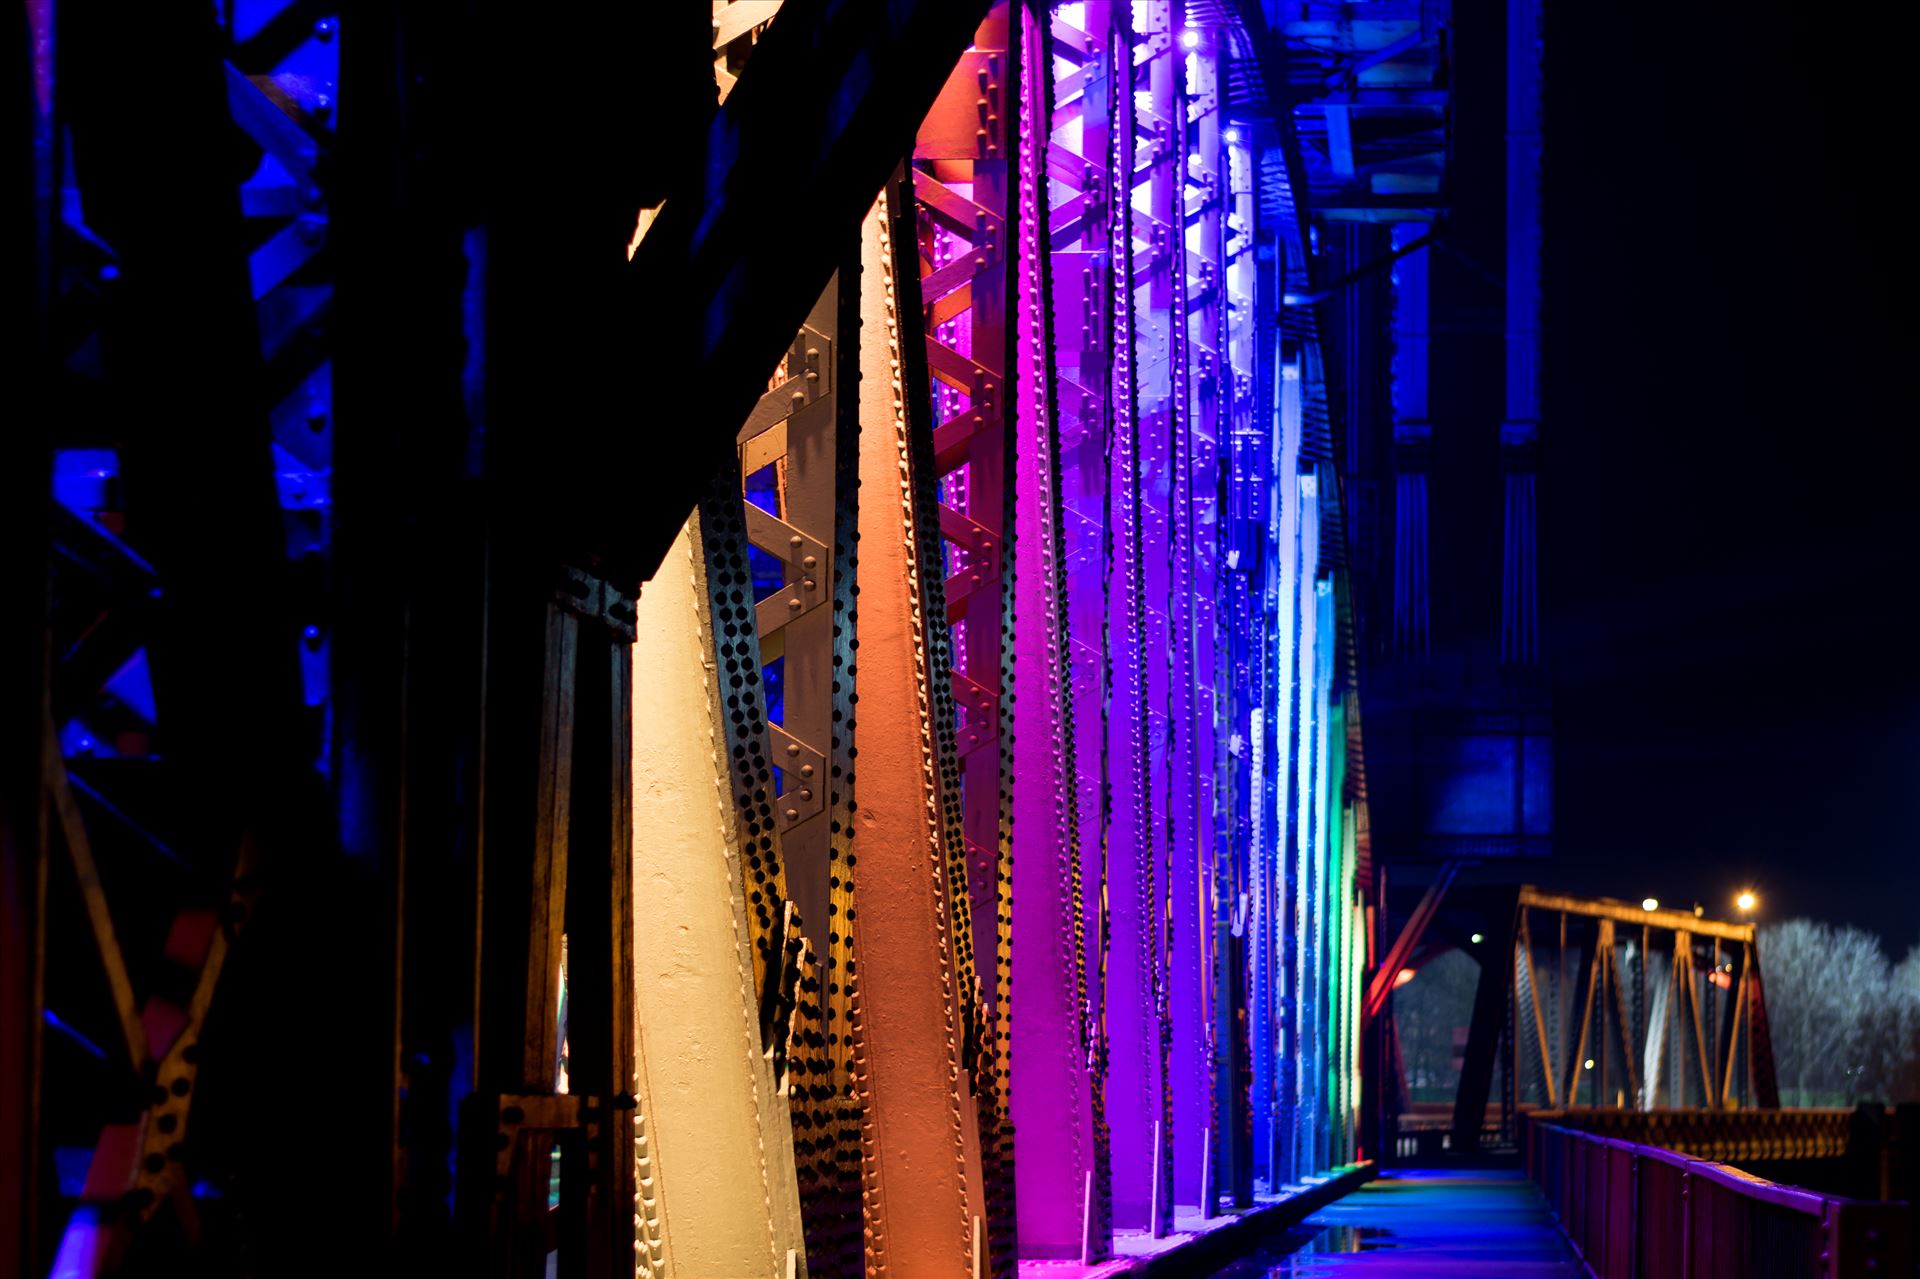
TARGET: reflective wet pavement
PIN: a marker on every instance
(1452, 1225)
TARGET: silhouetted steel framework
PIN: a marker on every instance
(474, 724)
(1603, 1003)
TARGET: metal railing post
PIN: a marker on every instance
(1686, 1225)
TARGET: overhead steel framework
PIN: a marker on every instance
(1588, 1003)
(745, 670)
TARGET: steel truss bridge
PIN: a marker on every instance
(710, 640)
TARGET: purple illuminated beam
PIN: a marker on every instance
(1137, 1101)
(1052, 1091)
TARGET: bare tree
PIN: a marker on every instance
(1904, 1001)
(1431, 1013)
(1906, 973)
(1846, 1026)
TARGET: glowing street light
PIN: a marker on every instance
(1651, 903)
(1589, 1063)
(1190, 39)
(1746, 901)
(1229, 135)
(1478, 938)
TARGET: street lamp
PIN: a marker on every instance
(1746, 901)
(1651, 903)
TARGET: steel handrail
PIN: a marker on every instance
(1701, 1219)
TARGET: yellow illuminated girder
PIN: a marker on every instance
(717, 1191)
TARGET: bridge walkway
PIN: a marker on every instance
(1488, 1224)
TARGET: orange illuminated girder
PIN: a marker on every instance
(926, 1204)
(932, 937)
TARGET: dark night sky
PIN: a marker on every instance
(1732, 529)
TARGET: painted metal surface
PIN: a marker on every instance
(1097, 975)
(1638, 1210)
(1054, 1091)
(926, 1205)
(965, 205)
(717, 1191)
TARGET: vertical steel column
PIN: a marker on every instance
(1051, 1091)
(1327, 905)
(1170, 492)
(1304, 948)
(1287, 694)
(1086, 223)
(1206, 1063)
(25, 475)
(719, 954)
(1519, 432)
(1412, 435)
(919, 1027)
(1136, 1098)
(1246, 558)
(963, 191)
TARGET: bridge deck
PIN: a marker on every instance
(1488, 1225)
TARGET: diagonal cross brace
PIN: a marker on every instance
(730, 266)
(1410, 934)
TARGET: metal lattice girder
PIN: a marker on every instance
(798, 467)
(1067, 1208)
(798, 462)
(726, 272)
(184, 332)
(1665, 1005)
(964, 181)
(183, 336)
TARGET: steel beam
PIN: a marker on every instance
(1139, 1112)
(712, 1125)
(1490, 1004)
(966, 159)
(1053, 1092)
(1533, 898)
(26, 471)
(1409, 938)
(726, 271)
(927, 1208)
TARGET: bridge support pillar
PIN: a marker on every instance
(1483, 1034)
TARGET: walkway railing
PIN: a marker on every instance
(1727, 1136)
(1639, 1212)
